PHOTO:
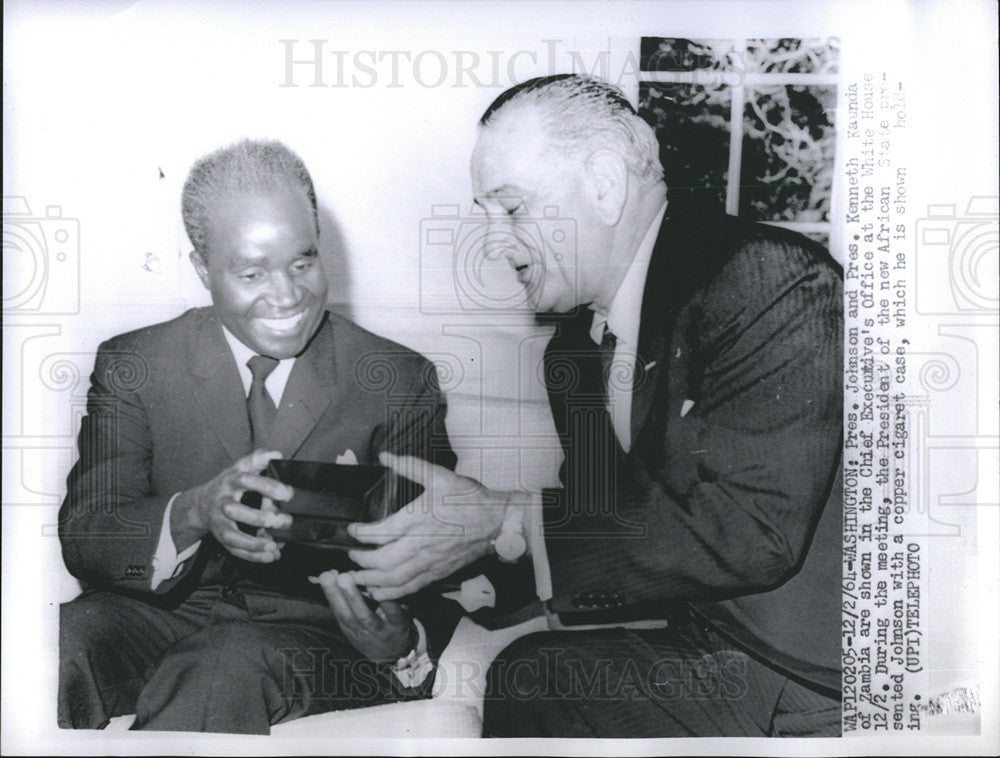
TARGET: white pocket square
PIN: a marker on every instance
(474, 594)
(686, 406)
(348, 458)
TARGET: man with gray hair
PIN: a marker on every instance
(690, 563)
(193, 617)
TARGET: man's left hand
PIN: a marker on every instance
(383, 635)
(449, 526)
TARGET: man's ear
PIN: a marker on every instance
(201, 267)
(608, 178)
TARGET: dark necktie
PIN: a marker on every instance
(260, 405)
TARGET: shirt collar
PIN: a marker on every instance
(624, 314)
(276, 381)
(241, 352)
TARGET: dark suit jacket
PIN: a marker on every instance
(167, 411)
(736, 505)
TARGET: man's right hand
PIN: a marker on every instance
(215, 508)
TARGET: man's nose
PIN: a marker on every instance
(283, 292)
(499, 241)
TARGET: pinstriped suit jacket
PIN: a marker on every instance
(733, 506)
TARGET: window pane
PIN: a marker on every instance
(792, 56)
(691, 122)
(788, 149)
(677, 54)
(760, 56)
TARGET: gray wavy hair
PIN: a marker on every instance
(250, 166)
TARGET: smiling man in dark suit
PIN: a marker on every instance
(695, 381)
(193, 617)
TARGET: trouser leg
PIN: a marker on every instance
(623, 683)
(273, 660)
(108, 645)
(802, 712)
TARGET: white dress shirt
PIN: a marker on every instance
(167, 562)
(623, 319)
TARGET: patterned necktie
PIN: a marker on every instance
(617, 385)
(260, 405)
(608, 344)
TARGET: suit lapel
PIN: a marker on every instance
(656, 321)
(219, 390)
(690, 250)
(308, 393)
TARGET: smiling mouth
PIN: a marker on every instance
(289, 324)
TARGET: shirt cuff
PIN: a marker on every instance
(412, 670)
(167, 562)
(534, 529)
